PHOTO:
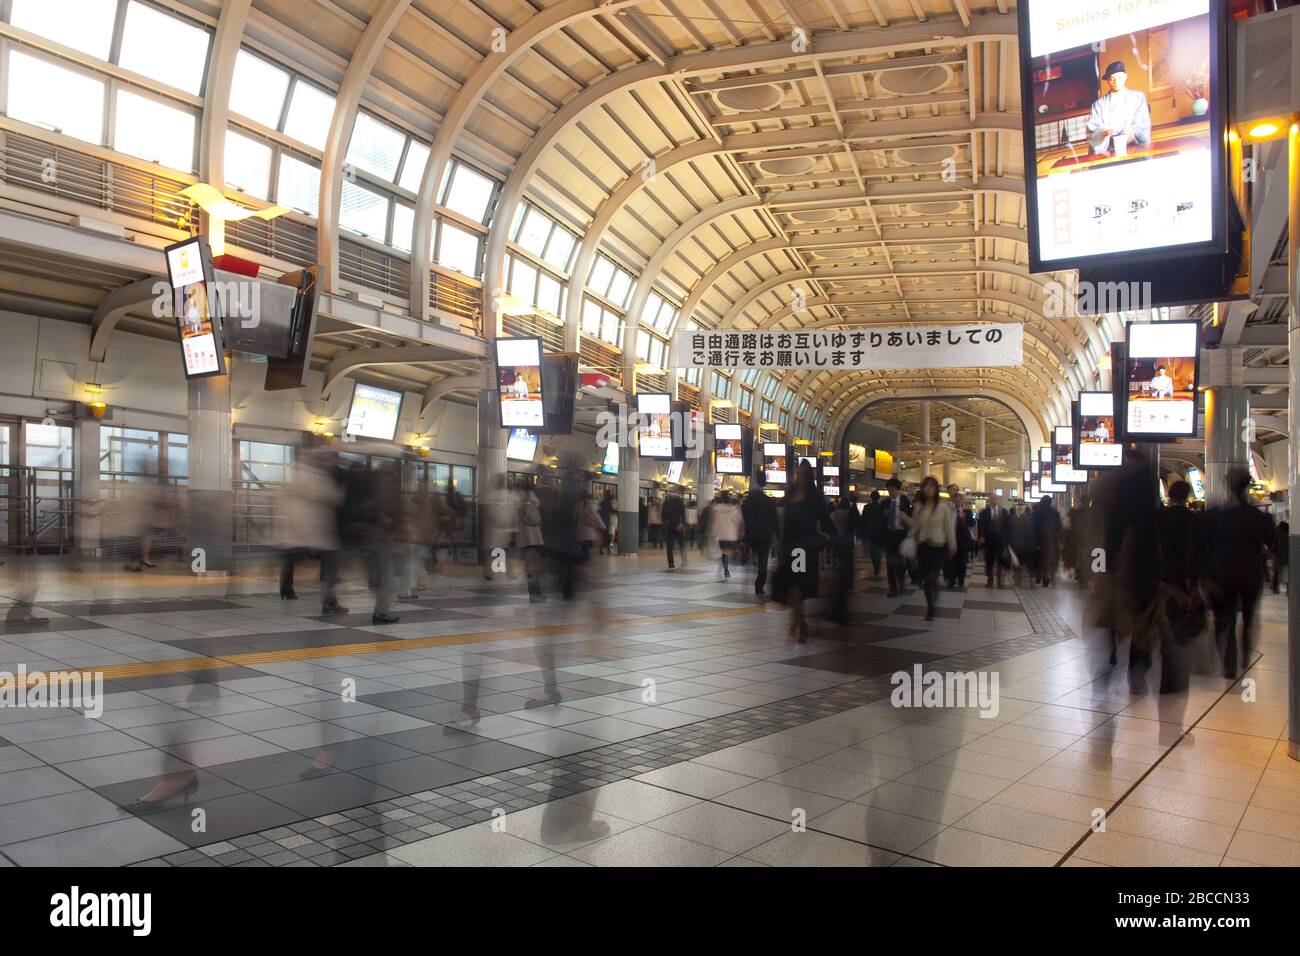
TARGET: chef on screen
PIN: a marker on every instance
(1120, 117)
(1162, 386)
(1101, 433)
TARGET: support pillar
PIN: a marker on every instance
(981, 452)
(211, 478)
(492, 468)
(629, 503)
(1293, 426)
(925, 438)
(1227, 406)
(89, 523)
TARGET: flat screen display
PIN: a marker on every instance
(1197, 481)
(884, 464)
(189, 267)
(1097, 445)
(774, 463)
(610, 465)
(1122, 113)
(675, 472)
(857, 457)
(729, 449)
(1063, 470)
(522, 445)
(831, 481)
(1160, 376)
(374, 412)
(655, 425)
(1035, 467)
(1034, 493)
(519, 382)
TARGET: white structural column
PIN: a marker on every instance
(629, 484)
(89, 525)
(211, 431)
(340, 134)
(1293, 426)
(925, 437)
(1227, 406)
(981, 452)
(211, 489)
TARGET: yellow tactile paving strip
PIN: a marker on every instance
(191, 664)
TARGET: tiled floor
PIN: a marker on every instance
(690, 732)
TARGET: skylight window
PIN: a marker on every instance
(310, 112)
(48, 95)
(258, 90)
(164, 48)
(154, 131)
(84, 25)
(468, 192)
(375, 147)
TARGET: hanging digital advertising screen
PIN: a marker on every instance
(522, 445)
(655, 425)
(1063, 470)
(774, 463)
(189, 268)
(1095, 440)
(1123, 114)
(1197, 482)
(1046, 482)
(1161, 375)
(519, 382)
(610, 465)
(675, 472)
(374, 412)
(728, 449)
(831, 481)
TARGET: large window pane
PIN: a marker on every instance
(620, 288)
(523, 281)
(258, 90)
(364, 211)
(549, 292)
(298, 186)
(601, 273)
(403, 227)
(248, 165)
(458, 249)
(85, 25)
(536, 230)
(417, 155)
(560, 248)
(310, 112)
(154, 131)
(590, 317)
(375, 148)
(165, 48)
(48, 95)
(468, 193)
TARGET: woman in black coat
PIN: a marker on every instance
(801, 544)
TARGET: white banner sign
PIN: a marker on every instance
(945, 346)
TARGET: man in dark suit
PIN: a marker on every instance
(674, 526)
(898, 518)
(759, 513)
(992, 531)
(1236, 536)
(871, 529)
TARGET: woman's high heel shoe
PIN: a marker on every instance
(144, 804)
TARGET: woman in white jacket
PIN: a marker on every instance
(935, 530)
(726, 529)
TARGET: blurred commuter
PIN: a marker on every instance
(1235, 538)
(726, 529)
(964, 530)
(416, 542)
(607, 512)
(871, 529)
(133, 514)
(455, 517)
(992, 530)
(934, 528)
(802, 540)
(1132, 557)
(759, 514)
(371, 515)
(1281, 558)
(528, 538)
(560, 533)
(308, 525)
(654, 517)
(1047, 535)
(673, 516)
(692, 522)
(591, 529)
(1182, 607)
(898, 518)
(1022, 539)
